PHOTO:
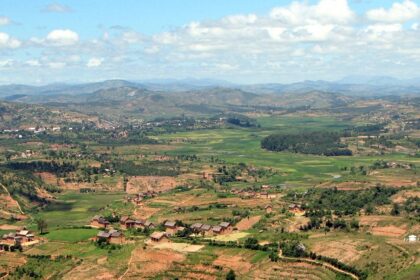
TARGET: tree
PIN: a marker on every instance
(41, 225)
(395, 209)
(8, 155)
(231, 275)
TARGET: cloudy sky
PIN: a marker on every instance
(237, 40)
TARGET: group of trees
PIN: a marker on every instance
(241, 120)
(346, 202)
(58, 168)
(155, 168)
(21, 183)
(317, 142)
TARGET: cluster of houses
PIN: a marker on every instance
(20, 237)
(127, 223)
(171, 227)
(208, 230)
(111, 236)
(246, 194)
(139, 197)
(197, 228)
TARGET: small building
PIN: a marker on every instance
(265, 187)
(196, 228)
(19, 237)
(170, 227)
(217, 229)
(149, 224)
(99, 222)
(127, 223)
(412, 238)
(144, 224)
(295, 208)
(113, 236)
(158, 236)
(206, 229)
(225, 226)
(268, 209)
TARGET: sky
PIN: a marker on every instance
(241, 41)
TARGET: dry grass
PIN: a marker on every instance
(179, 247)
(138, 184)
(247, 223)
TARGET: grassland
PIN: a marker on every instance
(363, 248)
(76, 209)
(71, 235)
(243, 145)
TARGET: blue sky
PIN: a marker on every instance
(239, 40)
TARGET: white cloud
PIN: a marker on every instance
(131, 37)
(5, 21)
(6, 41)
(94, 62)
(6, 63)
(33, 62)
(326, 11)
(57, 8)
(297, 41)
(62, 37)
(384, 28)
(399, 12)
(56, 65)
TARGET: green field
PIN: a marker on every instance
(75, 209)
(71, 235)
(243, 145)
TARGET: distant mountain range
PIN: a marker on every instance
(351, 85)
(116, 99)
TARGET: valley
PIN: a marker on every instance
(137, 184)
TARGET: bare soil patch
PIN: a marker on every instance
(296, 222)
(402, 196)
(391, 231)
(237, 263)
(10, 227)
(89, 271)
(247, 223)
(138, 184)
(148, 263)
(179, 247)
(47, 177)
(145, 212)
(345, 251)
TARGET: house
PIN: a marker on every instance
(217, 229)
(170, 227)
(139, 223)
(265, 187)
(196, 228)
(99, 222)
(19, 237)
(225, 226)
(112, 236)
(206, 229)
(268, 209)
(295, 208)
(9, 238)
(412, 238)
(159, 236)
(25, 236)
(149, 224)
(144, 224)
(127, 223)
